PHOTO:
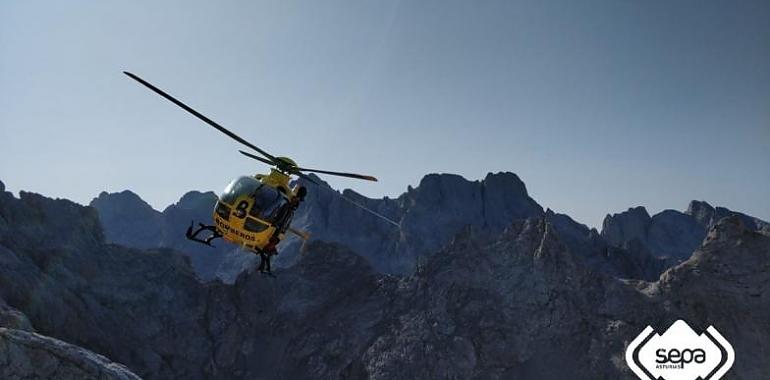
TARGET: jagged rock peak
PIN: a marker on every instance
(633, 213)
(729, 228)
(625, 226)
(2, 187)
(195, 199)
(435, 183)
(696, 207)
(708, 216)
(732, 255)
(128, 219)
(506, 181)
(701, 211)
(565, 223)
(125, 199)
(44, 223)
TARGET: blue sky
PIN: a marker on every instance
(596, 105)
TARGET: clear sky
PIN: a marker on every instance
(596, 105)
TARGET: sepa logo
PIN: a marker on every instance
(680, 354)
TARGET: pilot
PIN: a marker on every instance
(282, 221)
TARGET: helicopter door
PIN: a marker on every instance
(267, 203)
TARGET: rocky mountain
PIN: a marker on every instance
(669, 235)
(429, 215)
(708, 216)
(26, 355)
(130, 221)
(630, 261)
(725, 284)
(525, 301)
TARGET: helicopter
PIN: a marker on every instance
(255, 212)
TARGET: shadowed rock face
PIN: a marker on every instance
(630, 261)
(708, 216)
(669, 235)
(25, 355)
(631, 244)
(131, 222)
(13, 319)
(626, 226)
(430, 215)
(504, 305)
(492, 308)
(726, 283)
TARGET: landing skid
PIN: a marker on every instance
(202, 227)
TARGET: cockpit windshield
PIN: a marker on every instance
(265, 200)
(239, 186)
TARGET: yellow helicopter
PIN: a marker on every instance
(255, 212)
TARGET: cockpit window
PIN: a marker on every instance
(265, 201)
(238, 187)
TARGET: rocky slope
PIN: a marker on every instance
(429, 216)
(25, 354)
(726, 283)
(130, 221)
(29, 356)
(509, 304)
(669, 235)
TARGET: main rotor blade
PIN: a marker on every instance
(307, 178)
(349, 175)
(258, 158)
(200, 116)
